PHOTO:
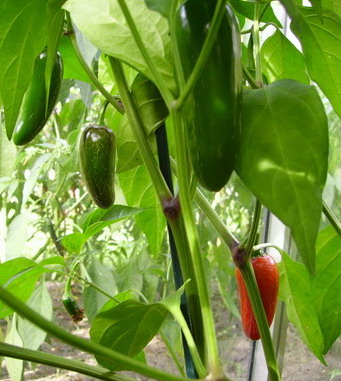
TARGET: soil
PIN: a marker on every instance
(235, 349)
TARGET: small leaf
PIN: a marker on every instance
(103, 277)
(74, 242)
(246, 8)
(19, 276)
(295, 290)
(326, 285)
(14, 366)
(72, 67)
(127, 328)
(99, 218)
(281, 60)
(103, 22)
(283, 157)
(139, 192)
(40, 301)
(17, 236)
(57, 260)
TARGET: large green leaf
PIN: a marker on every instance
(104, 24)
(23, 31)
(326, 285)
(283, 157)
(127, 328)
(296, 291)
(139, 192)
(281, 60)
(102, 276)
(19, 276)
(321, 44)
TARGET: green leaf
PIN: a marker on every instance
(99, 218)
(14, 366)
(17, 236)
(139, 192)
(326, 285)
(103, 277)
(57, 260)
(127, 328)
(104, 23)
(281, 60)
(74, 242)
(128, 154)
(283, 157)
(321, 44)
(246, 8)
(295, 290)
(161, 6)
(72, 68)
(19, 276)
(333, 5)
(7, 153)
(40, 301)
(23, 30)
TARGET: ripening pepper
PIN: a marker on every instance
(34, 113)
(97, 158)
(212, 110)
(267, 277)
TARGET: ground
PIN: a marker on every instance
(299, 363)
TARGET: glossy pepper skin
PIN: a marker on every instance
(97, 158)
(33, 113)
(213, 109)
(267, 276)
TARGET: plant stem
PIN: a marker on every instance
(85, 345)
(228, 238)
(172, 353)
(204, 53)
(112, 100)
(256, 39)
(249, 78)
(253, 230)
(136, 125)
(166, 94)
(176, 312)
(211, 345)
(38, 357)
(216, 221)
(332, 218)
(262, 323)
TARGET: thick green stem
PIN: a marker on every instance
(85, 345)
(256, 40)
(112, 100)
(332, 218)
(262, 323)
(166, 94)
(211, 345)
(136, 125)
(38, 357)
(204, 53)
(175, 310)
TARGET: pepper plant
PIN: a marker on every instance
(192, 91)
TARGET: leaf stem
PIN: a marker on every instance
(332, 218)
(172, 353)
(85, 345)
(158, 180)
(204, 53)
(256, 39)
(166, 94)
(111, 99)
(39, 357)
